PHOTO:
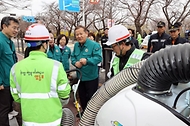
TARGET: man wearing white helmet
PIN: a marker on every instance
(125, 53)
(38, 83)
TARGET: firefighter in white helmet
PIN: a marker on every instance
(125, 52)
(39, 83)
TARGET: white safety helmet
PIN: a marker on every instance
(36, 34)
(117, 33)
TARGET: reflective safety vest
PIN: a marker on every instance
(135, 57)
(38, 83)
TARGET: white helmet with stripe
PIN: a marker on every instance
(36, 32)
(116, 34)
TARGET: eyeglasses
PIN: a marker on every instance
(113, 45)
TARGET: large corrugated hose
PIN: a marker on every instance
(164, 68)
(110, 88)
(68, 118)
(159, 71)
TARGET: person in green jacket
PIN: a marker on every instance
(38, 83)
(126, 54)
(54, 51)
(139, 38)
(62, 41)
(10, 28)
(85, 56)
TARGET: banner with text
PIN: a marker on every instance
(110, 23)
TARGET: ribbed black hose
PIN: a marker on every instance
(67, 118)
(125, 78)
(165, 67)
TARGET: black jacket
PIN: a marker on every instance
(104, 39)
(157, 42)
(178, 40)
(135, 42)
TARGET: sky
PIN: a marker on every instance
(36, 7)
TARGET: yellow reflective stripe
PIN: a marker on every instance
(55, 123)
(14, 76)
(13, 90)
(38, 95)
(62, 87)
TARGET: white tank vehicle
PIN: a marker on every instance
(144, 94)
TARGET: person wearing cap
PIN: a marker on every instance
(38, 83)
(85, 56)
(157, 41)
(174, 38)
(126, 54)
(10, 28)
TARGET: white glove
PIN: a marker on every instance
(109, 74)
(64, 101)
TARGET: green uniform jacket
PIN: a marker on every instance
(139, 38)
(93, 53)
(38, 83)
(65, 56)
(55, 53)
(135, 57)
(7, 59)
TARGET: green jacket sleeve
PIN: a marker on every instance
(64, 87)
(73, 57)
(96, 56)
(1, 50)
(14, 91)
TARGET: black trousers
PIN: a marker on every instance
(104, 57)
(86, 91)
(6, 101)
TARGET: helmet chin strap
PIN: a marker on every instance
(121, 50)
(46, 50)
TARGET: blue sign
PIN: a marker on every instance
(69, 5)
(29, 18)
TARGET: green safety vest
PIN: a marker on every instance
(135, 57)
(38, 83)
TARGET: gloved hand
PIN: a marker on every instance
(64, 101)
(109, 74)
